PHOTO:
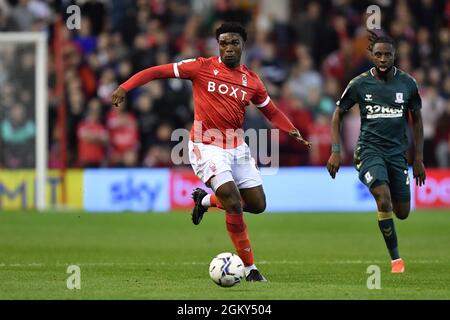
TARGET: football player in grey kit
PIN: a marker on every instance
(386, 97)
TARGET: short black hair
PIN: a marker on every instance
(233, 27)
(379, 38)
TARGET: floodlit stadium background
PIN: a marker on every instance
(305, 52)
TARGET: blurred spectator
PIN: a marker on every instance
(123, 137)
(92, 137)
(442, 138)
(106, 86)
(96, 12)
(305, 79)
(350, 133)
(6, 21)
(330, 95)
(423, 52)
(17, 133)
(445, 92)
(147, 120)
(313, 33)
(292, 154)
(232, 10)
(271, 67)
(54, 156)
(159, 152)
(432, 107)
(85, 40)
(22, 16)
(319, 133)
(339, 63)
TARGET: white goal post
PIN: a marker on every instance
(39, 39)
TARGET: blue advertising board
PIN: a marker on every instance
(145, 190)
(312, 189)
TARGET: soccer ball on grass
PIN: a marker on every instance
(226, 269)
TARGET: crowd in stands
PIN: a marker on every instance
(305, 61)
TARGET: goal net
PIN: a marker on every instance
(23, 120)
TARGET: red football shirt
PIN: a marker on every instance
(220, 97)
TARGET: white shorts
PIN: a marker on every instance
(209, 160)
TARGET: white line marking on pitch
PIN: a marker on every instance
(165, 263)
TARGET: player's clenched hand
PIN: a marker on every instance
(297, 135)
(118, 96)
(333, 164)
(419, 172)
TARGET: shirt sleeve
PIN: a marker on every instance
(277, 117)
(188, 69)
(349, 97)
(261, 98)
(415, 100)
(158, 72)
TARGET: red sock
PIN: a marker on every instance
(216, 203)
(237, 230)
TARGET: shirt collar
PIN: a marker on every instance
(371, 71)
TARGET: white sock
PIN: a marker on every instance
(206, 201)
(249, 268)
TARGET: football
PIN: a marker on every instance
(226, 269)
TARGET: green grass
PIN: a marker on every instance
(164, 256)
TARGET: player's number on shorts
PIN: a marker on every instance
(368, 177)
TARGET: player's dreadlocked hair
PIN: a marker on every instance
(375, 38)
(233, 27)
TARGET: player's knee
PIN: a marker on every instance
(259, 207)
(232, 203)
(384, 202)
(235, 206)
(385, 207)
(402, 209)
(402, 214)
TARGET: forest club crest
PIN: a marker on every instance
(244, 80)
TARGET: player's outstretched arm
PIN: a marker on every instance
(418, 166)
(334, 162)
(279, 120)
(158, 72)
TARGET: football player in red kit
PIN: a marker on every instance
(222, 89)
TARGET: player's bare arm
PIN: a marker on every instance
(418, 166)
(334, 162)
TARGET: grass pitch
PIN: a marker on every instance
(164, 256)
